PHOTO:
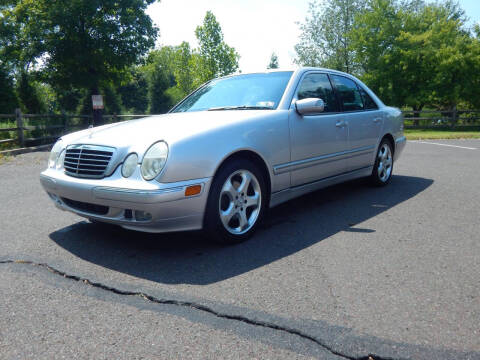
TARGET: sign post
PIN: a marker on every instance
(97, 104)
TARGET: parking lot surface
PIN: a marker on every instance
(346, 272)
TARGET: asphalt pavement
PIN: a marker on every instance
(346, 272)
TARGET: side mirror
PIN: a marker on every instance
(309, 106)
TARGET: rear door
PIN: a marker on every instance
(364, 121)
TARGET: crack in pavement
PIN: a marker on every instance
(195, 306)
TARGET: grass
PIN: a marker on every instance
(4, 159)
(472, 132)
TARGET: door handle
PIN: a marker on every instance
(377, 120)
(341, 124)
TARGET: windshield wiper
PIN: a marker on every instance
(243, 107)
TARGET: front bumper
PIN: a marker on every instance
(134, 204)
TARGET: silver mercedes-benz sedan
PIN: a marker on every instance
(226, 153)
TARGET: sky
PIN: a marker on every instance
(255, 28)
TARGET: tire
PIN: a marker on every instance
(383, 169)
(236, 203)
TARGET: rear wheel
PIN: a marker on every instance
(236, 203)
(383, 168)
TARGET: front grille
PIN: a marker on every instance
(87, 161)
(86, 207)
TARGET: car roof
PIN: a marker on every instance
(300, 69)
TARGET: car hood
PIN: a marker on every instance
(141, 133)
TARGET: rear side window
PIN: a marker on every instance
(318, 86)
(368, 101)
(348, 92)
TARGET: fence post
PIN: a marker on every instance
(19, 119)
(64, 119)
(454, 116)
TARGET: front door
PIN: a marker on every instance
(318, 142)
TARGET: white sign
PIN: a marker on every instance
(97, 102)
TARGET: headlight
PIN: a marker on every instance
(154, 160)
(56, 150)
(129, 165)
(60, 160)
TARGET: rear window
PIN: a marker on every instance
(348, 92)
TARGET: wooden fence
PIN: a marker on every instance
(438, 118)
(21, 130)
(26, 129)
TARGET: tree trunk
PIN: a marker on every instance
(416, 114)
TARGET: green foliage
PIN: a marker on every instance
(476, 30)
(325, 40)
(64, 51)
(159, 72)
(273, 62)
(173, 72)
(416, 54)
(134, 93)
(82, 43)
(216, 57)
(112, 100)
(28, 94)
(175, 94)
(185, 64)
(409, 52)
(160, 102)
(8, 97)
(69, 99)
(47, 97)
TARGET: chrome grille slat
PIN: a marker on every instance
(87, 161)
(75, 162)
(88, 166)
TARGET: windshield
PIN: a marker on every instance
(241, 92)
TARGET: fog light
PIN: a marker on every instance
(128, 214)
(142, 216)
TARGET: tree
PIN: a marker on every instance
(476, 30)
(273, 62)
(29, 96)
(416, 54)
(134, 92)
(324, 40)
(216, 57)
(76, 43)
(8, 98)
(160, 102)
(185, 61)
(69, 99)
(159, 72)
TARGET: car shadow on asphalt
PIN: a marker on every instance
(189, 258)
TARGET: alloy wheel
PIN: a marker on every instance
(240, 202)
(385, 162)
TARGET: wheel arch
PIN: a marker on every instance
(391, 139)
(253, 157)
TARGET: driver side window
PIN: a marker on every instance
(318, 86)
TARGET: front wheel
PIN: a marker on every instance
(236, 203)
(383, 168)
